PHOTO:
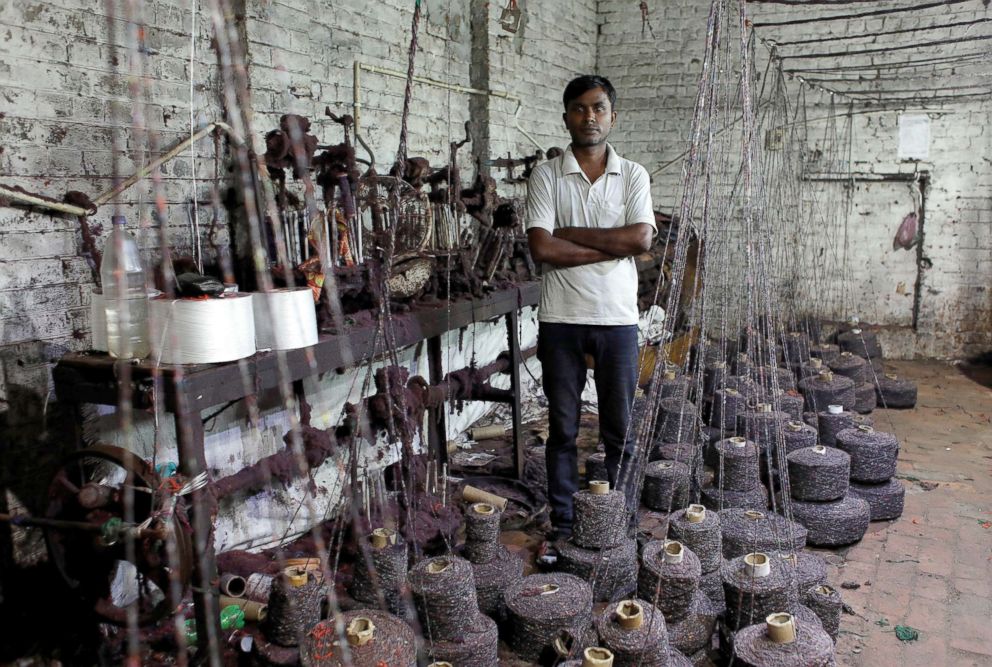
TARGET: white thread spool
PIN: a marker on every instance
(98, 321)
(202, 331)
(285, 319)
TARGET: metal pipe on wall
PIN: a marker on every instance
(385, 71)
(7, 192)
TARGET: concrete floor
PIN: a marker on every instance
(932, 568)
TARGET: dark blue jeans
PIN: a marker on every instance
(561, 349)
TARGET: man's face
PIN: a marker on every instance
(589, 118)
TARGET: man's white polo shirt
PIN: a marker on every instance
(560, 195)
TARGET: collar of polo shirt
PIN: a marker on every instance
(570, 165)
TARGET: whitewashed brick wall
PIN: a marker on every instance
(657, 80)
(64, 107)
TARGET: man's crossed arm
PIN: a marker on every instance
(578, 246)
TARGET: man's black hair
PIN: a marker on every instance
(583, 84)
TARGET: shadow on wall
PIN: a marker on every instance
(33, 443)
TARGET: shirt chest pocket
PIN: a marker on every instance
(607, 214)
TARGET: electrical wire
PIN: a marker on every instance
(846, 17)
(884, 33)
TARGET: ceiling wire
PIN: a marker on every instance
(899, 31)
(972, 58)
(924, 100)
(886, 49)
(903, 91)
(954, 70)
(844, 17)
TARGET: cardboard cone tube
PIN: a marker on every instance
(452, 446)
(864, 428)
(440, 664)
(826, 376)
(764, 407)
(597, 657)
(232, 585)
(439, 566)
(297, 576)
(846, 354)
(630, 614)
(669, 375)
(757, 564)
(549, 589)
(754, 515)
(695, 513)
(816, 362)
(795, 426)
(360, 631)
(599, 487)
(311, 565)
(665, 465)
(254, 611)
(729, 391)
(488, 432)
(780, 627)
(673, 552)
(892, 376)
(819, 449)
(835, 409)
(382, 538)
(483, 508)
(473, 494)
(738, 441)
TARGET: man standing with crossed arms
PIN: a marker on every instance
(588, 214)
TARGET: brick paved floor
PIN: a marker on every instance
(932, 568)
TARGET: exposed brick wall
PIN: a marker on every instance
(67, 111)
(657, 79)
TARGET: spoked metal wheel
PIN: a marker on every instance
(89, 493)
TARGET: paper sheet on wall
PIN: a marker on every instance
(914, 137)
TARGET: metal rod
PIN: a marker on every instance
(964, 59)
(50, 523)
(900, 31)
(7, 192)
(887, 49)
(386, 71)
(902, 91)
(844, 17)
(809, 2)
(921, 100)
(168, 155)
(926, 78)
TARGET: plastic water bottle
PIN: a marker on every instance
(127, 310)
